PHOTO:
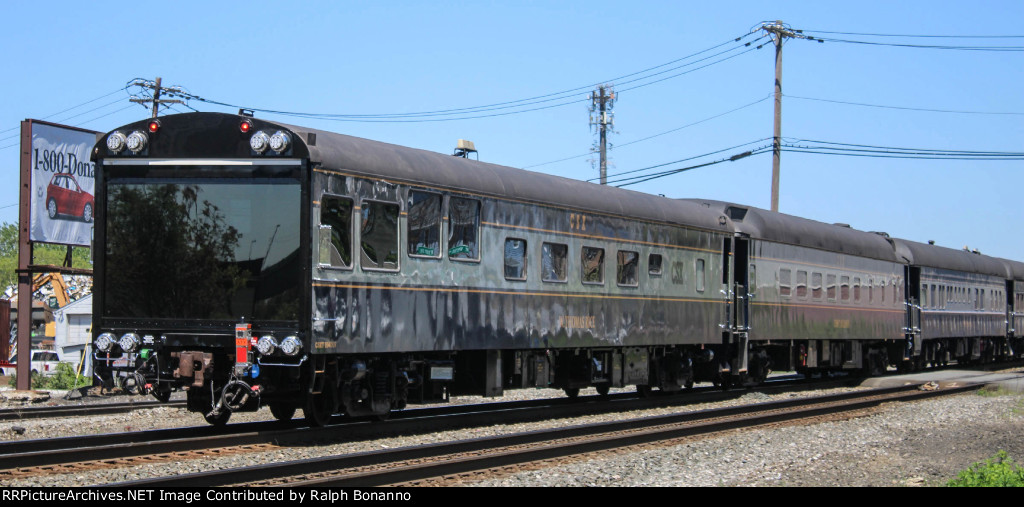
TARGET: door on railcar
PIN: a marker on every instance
(736, 278)
(912, 330)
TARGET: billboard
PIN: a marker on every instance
(63, 184)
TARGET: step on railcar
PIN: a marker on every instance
(252, 263)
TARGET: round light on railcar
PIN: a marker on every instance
(245, 126)
(116, 142)
(259, 142)
(105, 341)
(266, 345)
(291, 346)
(154, 126)
(279, 141)
(136, 141)
(129, 342)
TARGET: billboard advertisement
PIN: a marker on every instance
(63, 182)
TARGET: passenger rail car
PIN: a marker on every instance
(253, 263)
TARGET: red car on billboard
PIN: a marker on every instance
(64, 196)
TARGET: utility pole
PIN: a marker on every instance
(778, 32)
(601, 104)
(156, 100)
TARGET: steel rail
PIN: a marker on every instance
(11, 414)
(20, 454)
(688, 424)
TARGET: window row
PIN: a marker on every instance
(554, 264)
(379, 230)
(940, 296)
(833, 287)
(378, 243)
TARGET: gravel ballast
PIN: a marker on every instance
(899, 444)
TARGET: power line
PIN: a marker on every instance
(825, 148)
(904, 108)
(918, 36)
(687, 159)
(738, 156)
(460, 114)
(851, 149)
(68, 109)
(635, 141)
(920, 46)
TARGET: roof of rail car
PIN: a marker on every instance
(414, 166)
(793, 230)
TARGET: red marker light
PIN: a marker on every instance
(154, 126)
(245, 126)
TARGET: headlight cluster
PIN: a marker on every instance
(135, 142)
(266, 345)
(290, 346)
(129, 342)
(278, 143)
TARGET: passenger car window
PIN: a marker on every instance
(423, 227)
(515, 259)
(654, 264)
(699, 270)
(816, 291)
(336, 213)
(463, 230)
(554, 262)
(379, 236)
(785, 279)
(626, 272)
(592, 265)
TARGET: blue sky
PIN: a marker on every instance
(401, 57)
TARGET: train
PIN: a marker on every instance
(250, 263)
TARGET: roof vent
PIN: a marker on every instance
(839, 224)
(736, 213)
(464, 148)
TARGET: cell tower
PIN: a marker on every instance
(602, 101)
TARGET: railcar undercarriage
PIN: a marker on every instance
(373, 385)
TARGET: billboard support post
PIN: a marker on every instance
(24, 259)
(61, 150)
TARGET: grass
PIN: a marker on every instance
(1000, 471)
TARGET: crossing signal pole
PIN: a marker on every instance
(602, 102)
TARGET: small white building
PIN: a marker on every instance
(74, 333)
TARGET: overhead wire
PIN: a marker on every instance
(930, 36)
(905, 108)
(635, 141)
(687, 159)
(561, 98)
(818, 147)
(917, 46)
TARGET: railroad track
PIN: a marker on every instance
(22, 458)
(13, 414)
(455, 461)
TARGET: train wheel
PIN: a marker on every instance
(643, 391)
(282, 411)
(572, 392)
(603, 389)
(162, 393)
(218, 420)
(319, 408)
